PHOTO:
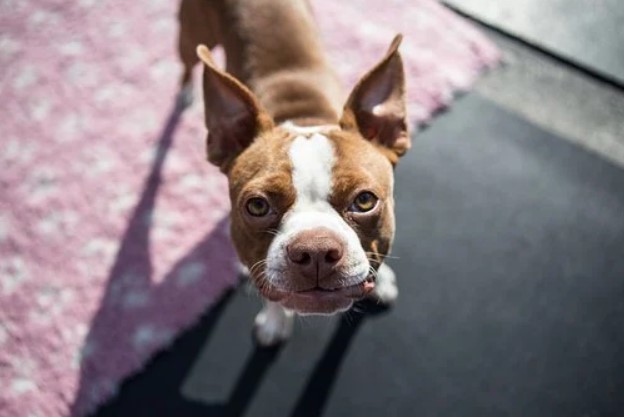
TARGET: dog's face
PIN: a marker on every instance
(312, 215)
(312, 207)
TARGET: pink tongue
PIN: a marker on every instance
(369, 286)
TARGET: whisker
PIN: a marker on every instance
(255, 266)
(380, 255)
(271, 232)
(374, 273)
(347, 316)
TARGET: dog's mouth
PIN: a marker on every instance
(319, 300)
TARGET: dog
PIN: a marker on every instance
(310, 171)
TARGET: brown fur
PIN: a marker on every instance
(264, 169)
(361, 168)
(285, 67)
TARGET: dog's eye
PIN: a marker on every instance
(365, 201)
(258, 207)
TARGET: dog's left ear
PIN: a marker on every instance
(376, 106)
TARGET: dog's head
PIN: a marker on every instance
(312, 207)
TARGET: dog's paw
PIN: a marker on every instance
(273, 325)
(386, 290)
(185, 96)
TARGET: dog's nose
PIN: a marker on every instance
(315, 254)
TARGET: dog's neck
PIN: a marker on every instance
(284, 66)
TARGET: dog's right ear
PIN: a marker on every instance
(233, 115)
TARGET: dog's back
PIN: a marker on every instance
(273, 46)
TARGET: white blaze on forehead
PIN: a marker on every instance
(312, 161)
(312, 157)
(308, 130)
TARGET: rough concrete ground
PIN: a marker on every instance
(557, 97)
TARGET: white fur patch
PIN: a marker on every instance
(307, 130)
(273, 324)
(313, 159)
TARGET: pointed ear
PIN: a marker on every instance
(376, 106)
(233, 115)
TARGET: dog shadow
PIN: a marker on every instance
(314, 396)
(115, 329)
(157, 390)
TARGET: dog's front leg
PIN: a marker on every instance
(273, 324)
(386, 290)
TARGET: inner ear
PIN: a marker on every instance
(376, 107)
(233, 115)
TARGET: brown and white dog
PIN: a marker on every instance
(310, 179)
